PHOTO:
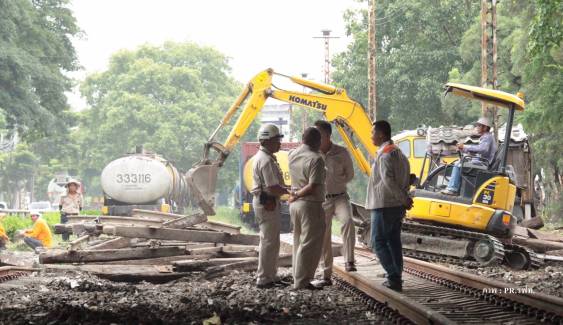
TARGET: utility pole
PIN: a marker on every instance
(305, 112)
(489, 56)
(372, 63)
(326, 37)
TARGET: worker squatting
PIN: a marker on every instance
(39, 236)
(320, 171)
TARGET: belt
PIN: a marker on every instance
(330, 196)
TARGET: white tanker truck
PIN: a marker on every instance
(142, 181)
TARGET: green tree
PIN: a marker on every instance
(543, 81)
(417, 47)
(167, 98)
(35, 52)
(16, 171)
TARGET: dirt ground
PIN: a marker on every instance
(548, 279)
(80, 298)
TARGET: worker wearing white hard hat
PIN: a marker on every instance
(267, 189)
(482, 153)
(71, 203)
(39, 236)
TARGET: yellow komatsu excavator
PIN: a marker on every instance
(479, 219)
(348, 116)
(471, 228)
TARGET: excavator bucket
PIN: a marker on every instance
(202, 180)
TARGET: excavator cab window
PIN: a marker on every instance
(420, 148)
(405, 147)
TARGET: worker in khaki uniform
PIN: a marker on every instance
(339, 171)
(308, 176)
(4, 239)
(268, 187)
(39, 236)
(70, 204)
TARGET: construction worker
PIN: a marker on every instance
(483, 152)
(308, 176)
(267, 190)
(3, 236)
(70, 204)
(40, 235)
(388, 199)
(339, 171)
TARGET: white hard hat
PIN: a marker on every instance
(484, 121)
(35, 213)
(269, 131)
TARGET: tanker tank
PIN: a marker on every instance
(142, 181)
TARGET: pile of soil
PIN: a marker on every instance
(55, 298)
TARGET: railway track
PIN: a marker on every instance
(434, 294)
(8, 273)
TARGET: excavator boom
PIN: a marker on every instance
(348, 116)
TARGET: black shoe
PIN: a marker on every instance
(281, 283)
(350, 267)
(268, 285)
(393, 285)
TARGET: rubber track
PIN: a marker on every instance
(418, 228)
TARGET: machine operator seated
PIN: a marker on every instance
(482, 153)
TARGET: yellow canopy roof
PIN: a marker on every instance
(494, 97)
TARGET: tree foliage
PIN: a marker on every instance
(166, 98)
(417, 47)
(424, 44)
(35, 53)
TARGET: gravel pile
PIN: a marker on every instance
(80, 298)
(547, 279)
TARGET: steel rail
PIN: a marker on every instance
(549, 304)
(410, 309)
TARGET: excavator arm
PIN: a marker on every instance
(348, 116)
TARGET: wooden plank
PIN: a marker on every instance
(55, 256)
(149, 213)
(185, 221)
(106, 268)
(540, 246)
(190, 265)
(284, 260)
(116, 243)
(115, 220)
(521, 231)
(179, 234)
(534, 223)
(159, 243)
(220, 226)
(154, 261)
(544, 235)
(123, 273)
(79, 242)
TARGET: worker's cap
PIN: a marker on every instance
(34, 213)
(483, 121)
(73, 181)
(269, 131)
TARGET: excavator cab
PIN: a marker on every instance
(487, 191)
(477, 224)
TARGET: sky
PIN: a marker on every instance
(254, 34)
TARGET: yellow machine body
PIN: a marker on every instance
(495, 194)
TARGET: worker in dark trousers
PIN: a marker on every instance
(388, 199)
(70, 204)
